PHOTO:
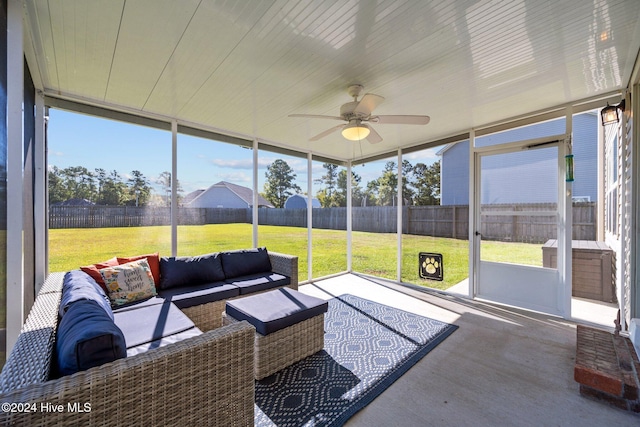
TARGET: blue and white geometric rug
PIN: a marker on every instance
(367, 346)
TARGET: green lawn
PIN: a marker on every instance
(373, 253)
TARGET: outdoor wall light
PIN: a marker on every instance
(610, 113)
(355, 130)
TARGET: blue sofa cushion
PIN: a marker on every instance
(275, 310)
(259, 282)
(245, 262)
(190, 296)
(151, 322)
(140, 303)
(78, 285)
(171, 339)
(190, 270)
(87, 337)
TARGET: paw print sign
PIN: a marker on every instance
(430, 266)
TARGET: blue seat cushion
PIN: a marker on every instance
(190, 270)
(275, 310)
(190, 296)
(244, 262)
(140, 303)
(87, 337)
(142, 348)
(259, 282)
(151, 322)
(78, 285)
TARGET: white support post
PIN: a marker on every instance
(632, 276)
(254, 209)
(15, 168)
(40, 205)
(474, 219)
(565, 224)
(625, 183)
(309, 216)
(399, 216)
(600, 235)
(629, 302)
(349, 215)
(174, 188)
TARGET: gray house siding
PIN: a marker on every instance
(454, 175)
(513, 184)
(585, 151)
(522, 177)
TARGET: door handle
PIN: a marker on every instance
(478, 234)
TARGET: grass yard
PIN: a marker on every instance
(373, 253)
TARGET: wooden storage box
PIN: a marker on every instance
(593, 268)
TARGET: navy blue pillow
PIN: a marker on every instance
(187, 271)
(78, 285)
(87, 337)
(245, 262)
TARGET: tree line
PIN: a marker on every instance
(420, 185)
(107, 188)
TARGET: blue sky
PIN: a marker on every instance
(81, 140)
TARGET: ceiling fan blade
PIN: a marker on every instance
(368, 103)
(400, 120)
(326, 132)
(374, 137)
(316, 116)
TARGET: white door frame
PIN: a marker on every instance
(554, 302)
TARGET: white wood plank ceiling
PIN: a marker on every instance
(242, 67)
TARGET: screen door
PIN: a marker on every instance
(517, 212)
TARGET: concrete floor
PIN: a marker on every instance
(586, 311)
(502, 367)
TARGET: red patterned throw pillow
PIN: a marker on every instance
(94, 270)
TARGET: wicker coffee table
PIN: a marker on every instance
(289, 327)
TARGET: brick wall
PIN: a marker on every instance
(607, 368)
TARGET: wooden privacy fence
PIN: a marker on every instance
(510, 222)
(132, 216)
(519, 223)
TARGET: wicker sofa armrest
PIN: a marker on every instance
(30, 359)
(287, 265)
(53, 283)
(208, 377)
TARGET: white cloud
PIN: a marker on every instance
(233, 164)
(427, 156)
(298, 165)
(239, 178)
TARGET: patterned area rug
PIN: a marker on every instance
(367, 347)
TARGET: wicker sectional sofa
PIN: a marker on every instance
(204, 379)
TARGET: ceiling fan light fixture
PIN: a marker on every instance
(355, 131)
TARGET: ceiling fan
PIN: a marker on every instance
(357, 114)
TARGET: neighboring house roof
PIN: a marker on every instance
(441, 151)
(190, 196)
(298, 201)
(244, 193)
